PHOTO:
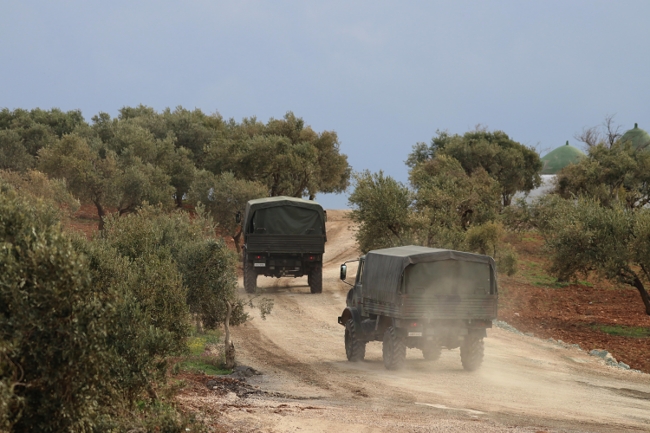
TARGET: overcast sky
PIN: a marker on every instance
(383, 75)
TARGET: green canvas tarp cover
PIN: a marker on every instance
(284, 216)
(422, 271)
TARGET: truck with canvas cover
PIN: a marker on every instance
(284, 237)
(418, 297)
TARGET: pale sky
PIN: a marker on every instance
(383, 75)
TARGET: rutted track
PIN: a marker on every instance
(525, 384)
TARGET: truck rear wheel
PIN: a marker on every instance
(471, 352)
(250, 277)
(355, 349)
(393, 349)
(315, 279)
(431, 351)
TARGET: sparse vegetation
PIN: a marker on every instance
(624, 331)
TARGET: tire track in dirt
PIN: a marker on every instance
(271, 355)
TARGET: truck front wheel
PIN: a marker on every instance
(471, 352)
(355, 349)
(250, 277)
(393, 349)
(315, 279)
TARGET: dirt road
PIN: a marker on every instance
(525, 384)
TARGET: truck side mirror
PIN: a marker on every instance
(238, 217)
(325, 215)
(344, 271)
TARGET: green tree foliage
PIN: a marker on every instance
(122, 174)
(224, 196)
(448, 201)
(181, 169)
(488, 239)
(10, 377)
(37, 184)
(204, 264)
(90, 174)
(86, 327)
(13, 154)
(612, 173)
(583, 237)
(285, 155)
(381, 207)
(37, 129)
(51, 324)
(448, 208)
(189, 132)
(516, 167)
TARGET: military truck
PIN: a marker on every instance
(284, 237)
(423, 298)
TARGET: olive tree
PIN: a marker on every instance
(53, 355)
(447, 208)
(89, 174)
(37, 184)
(449, 201)
(513, 165)
(382, 208)
(584, 237)
(611, 173)
(224, 197)
(287, 156)
(13, 154)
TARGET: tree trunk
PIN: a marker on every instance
(236, 238)
(101, 212)
(229, 346)
(179, 198)
(638, 284)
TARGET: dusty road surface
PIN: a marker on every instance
(525, 384)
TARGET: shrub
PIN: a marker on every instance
(51, 323)
(37, 184)
(488, 239)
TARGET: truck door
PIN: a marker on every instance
(358, 283)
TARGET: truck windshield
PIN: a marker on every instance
(287, 220)
(447, 277)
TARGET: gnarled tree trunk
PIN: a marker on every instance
(638, 284)
(101, 213)
(229, 346)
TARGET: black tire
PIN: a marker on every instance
(431, 351)
(355, 349)
(471, 352)
(393, 349)
(250, 277)
(315, 279)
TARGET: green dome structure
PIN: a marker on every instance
(639, 138)
(559, 158)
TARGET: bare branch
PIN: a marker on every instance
(612, 130)
(590, 136)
